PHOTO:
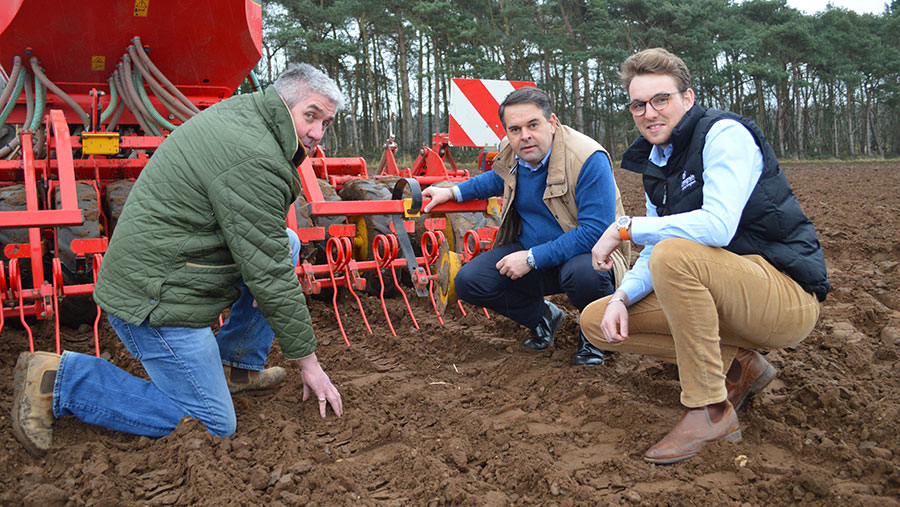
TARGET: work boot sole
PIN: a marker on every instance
(19, 377)
(761, 383)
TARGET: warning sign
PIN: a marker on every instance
(473, 110)
(98, 63)
(141, 7)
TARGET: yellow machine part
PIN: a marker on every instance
(100, 143)
(448, 265)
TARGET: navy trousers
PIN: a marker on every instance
(479, 282)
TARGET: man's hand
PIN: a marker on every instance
(316, 382)
(601, 254)
(514, 265)
(438, 195)
(615, 319)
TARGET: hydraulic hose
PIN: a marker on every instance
(113, 101)
(12, 145)
(139, 84)
(114, 121)
(39, 74)
(172, 103)
(128, 81)
(255, 80)
(13, 77)
(162, 78)
(40, 101)
(126, 96)
(13, 98)
(29, 102)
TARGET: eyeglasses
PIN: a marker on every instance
(658, 102)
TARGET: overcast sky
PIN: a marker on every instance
(860, 6)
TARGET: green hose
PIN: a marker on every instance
(113, 100)
(255, 80)
(40, 100)
(17, 92)
(139, 85)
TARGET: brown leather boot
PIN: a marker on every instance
(692, 433)
(240, 380)
(32, 413)
(752, 373)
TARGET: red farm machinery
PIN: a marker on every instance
(90, 92)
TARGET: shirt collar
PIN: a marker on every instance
(539, 166)
(660, 156)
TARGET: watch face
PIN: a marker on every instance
(623, 221)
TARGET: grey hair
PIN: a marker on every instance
(527, 95)
(301, 79)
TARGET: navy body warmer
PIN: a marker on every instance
(772, 224)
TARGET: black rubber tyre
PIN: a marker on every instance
(12, 198)
(77, 310)
(116, 195)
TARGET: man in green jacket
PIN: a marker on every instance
(203, 229)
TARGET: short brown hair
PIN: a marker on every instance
(655, 61)
(527, 95)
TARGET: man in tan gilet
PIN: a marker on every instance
(559, 195)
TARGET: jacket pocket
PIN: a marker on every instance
(206, 280)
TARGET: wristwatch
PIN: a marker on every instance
(623, 223)
(530, 260)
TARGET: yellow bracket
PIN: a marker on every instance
(407, 204)
(99, 143)
(493, 206)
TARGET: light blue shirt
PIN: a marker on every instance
(732, 165)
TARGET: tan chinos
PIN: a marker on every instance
(707, 303)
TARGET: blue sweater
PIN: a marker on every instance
(595, 198)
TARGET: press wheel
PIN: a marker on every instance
(447, 266)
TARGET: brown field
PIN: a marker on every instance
(463, 414)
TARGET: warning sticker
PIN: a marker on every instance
(141, 7)
(98, 63)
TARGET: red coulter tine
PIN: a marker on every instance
(15, 283)
(3, 294)
(472, 244)
(57, 293)
(334, 252)
(97, 260)
(394, 246)
(385, 251)
(350, 277)
(431, 246)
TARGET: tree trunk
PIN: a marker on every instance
(419, 128)
(850, 137)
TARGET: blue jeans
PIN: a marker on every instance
(185, 368)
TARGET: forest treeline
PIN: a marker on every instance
(820, 86)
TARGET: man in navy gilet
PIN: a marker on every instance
(730, 262)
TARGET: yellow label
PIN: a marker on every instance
(98, 63)
(141, 7)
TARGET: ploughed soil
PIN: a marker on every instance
(462, 413)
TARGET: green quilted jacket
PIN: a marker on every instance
(208, 210)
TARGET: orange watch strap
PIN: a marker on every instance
(623, 232)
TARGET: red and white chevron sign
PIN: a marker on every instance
(473, 110)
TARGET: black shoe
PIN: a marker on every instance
(587, 354)
(542, 336)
